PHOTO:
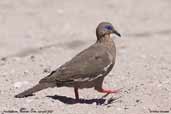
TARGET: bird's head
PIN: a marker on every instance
(105, 28)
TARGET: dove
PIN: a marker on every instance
(87, 69)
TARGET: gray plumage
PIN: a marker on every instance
(87, 69)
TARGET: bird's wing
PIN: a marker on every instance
(87, 65)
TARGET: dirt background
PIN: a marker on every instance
(37, 36)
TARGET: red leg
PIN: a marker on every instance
(76, 93)
(99, 88)
(109, 91)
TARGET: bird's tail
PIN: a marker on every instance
(34, 89)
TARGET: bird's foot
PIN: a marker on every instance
(109, 91)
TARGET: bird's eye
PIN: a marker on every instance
(109, 27)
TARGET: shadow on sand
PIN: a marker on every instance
(78, 43)
(150, 33)
(69, 100)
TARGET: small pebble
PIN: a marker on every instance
(32, 58)
(47, 70)
(26, 72)
(126, 108)
(3, 59)
(137, 101)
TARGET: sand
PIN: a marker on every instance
(37, 36)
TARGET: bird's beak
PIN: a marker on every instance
(116, 32)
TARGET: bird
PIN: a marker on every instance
(87, 69)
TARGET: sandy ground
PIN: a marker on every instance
(37, 36)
